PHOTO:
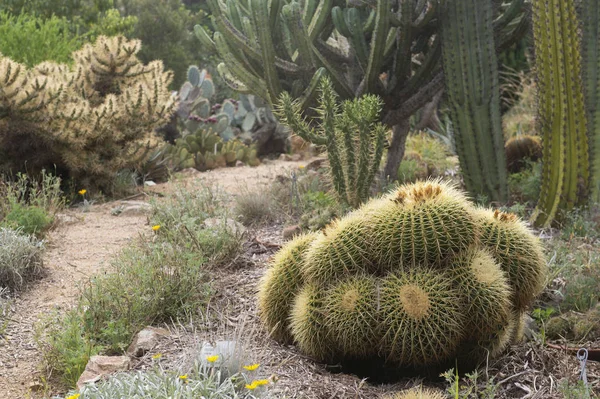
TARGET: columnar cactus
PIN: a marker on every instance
(418, 278)
(383, 47)
(561, 111)
(590, 18)
(473, 94)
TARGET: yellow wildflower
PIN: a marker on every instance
(260, 382)
(183, 377)
(156, 227)
(157, 356)
(81, 192)
(76, 395)
(301, 167)
(252, 367)
(251, 386)
(212, 359)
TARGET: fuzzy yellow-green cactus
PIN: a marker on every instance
(420, 278)
(89, 120)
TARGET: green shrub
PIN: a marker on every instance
(31, 40)
(20, 258)
(424, 157)
(524, 186)
(65, 345)
(30, 219)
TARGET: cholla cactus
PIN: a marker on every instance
(90, 120)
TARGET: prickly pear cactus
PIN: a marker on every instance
(417, 278)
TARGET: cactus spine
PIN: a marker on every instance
(474, 96)
(561, 112)
(354, 158)
(590, 16)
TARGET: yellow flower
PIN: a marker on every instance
(77, 394)
(183, 377)
(301, 167)
(156, 227)
(251, 386)
(81, 192)
(157, 356)
(252, 367)
(212, 359)
(260, 382)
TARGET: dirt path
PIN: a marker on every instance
(77, 249)
(83, 247)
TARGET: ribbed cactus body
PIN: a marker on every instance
(463, 302)
(561, 112)
(471, 72)
(590, 47)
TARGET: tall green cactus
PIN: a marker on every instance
(474, 95)
(354, 158)
(383, 47)
(561, 112)
(590, 17)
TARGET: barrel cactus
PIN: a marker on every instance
(417, 278)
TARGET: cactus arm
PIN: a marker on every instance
(309, 94)
(338, 80)
(430, 63)
(289, 112)
(319, 19)
(402, 69)
(231, 80)
(380, 132)
(274, 7)
(429, 12)
(370, 22)
(590, 16)
(293, 18)
(364, 125)
(357, 36)
(205, 39)
(249, 79)
(473, 94)
(348, 133)
(378, 44)
(512, 11)
(327, 111)
(233, 14)
(310, 7)
(339, 21)
(260, 13)
(561, 114)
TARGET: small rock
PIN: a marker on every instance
(239, 163)
(99, 366)
(133, 208)
(232, 226)
(285, 157)
(149, 183)
(291, 231)
(189, 172)
(296, 157)
(145, 340)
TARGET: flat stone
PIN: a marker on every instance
(100, 366)
(145, 340)
(296, 157)
(239, 163)
(149, 183)
(285, 157)
(128, 208)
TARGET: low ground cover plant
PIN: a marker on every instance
(151, 282)
(20, 258)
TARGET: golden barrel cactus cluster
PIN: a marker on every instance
(418, 278)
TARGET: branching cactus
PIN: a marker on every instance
(419, 278)
(383, 47)
(473, 95)
(351, 133)
(561, 112)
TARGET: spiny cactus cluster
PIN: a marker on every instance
(419, 277)
(89, 120)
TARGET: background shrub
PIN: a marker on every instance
(424, 157)
(30, 40)
(30, 219)
(20, 258)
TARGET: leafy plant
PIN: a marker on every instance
(541, 316)
(30, 40)
(29, 219)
